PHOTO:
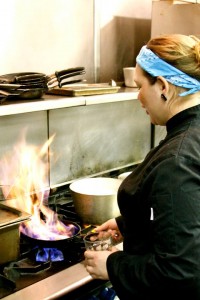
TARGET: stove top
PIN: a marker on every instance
(20, 275)
(27, 270)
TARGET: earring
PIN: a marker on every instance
(163, 97)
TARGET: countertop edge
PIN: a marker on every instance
(54, 286)
(57, 285)
(49, 102)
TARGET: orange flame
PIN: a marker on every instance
(27, 172)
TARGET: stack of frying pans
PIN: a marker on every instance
(30, 85)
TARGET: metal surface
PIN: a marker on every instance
(10, 219)
(57, 285)
(9, 250)
(10, 215)
(95, 199)
(93, 139)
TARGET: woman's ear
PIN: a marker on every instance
(164, 85)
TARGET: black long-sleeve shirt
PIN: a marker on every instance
(161, 257)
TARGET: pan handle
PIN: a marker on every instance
(69, 71)
(63, 74)
(37, 77)
(61, 84)
(60, 80)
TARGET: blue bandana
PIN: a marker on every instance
(156, 66)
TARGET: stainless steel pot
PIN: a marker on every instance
(95, 199)
(10, 219)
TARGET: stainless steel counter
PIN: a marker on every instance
(56, 285)
(49, 102)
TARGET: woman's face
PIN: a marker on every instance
(150, 97)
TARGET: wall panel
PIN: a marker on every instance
(95, 138)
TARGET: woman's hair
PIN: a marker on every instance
(181, 51)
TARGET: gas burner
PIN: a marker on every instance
(49, 254)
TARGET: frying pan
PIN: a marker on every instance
(54, 243)
(32, 85)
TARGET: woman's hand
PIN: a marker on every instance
(111, 226)
(95, 263)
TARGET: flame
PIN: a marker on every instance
(49, 254)
(26, 169)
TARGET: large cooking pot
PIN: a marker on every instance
(95, 199)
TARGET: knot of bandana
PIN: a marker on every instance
(156, 66)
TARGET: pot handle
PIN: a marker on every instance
(86, 230)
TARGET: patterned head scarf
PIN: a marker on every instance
(156, 66)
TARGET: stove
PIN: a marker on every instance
(55, 275)
(36, 263)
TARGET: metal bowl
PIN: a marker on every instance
(95, 199)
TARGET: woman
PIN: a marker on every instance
(161, 257)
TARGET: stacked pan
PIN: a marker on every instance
(31, 85)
